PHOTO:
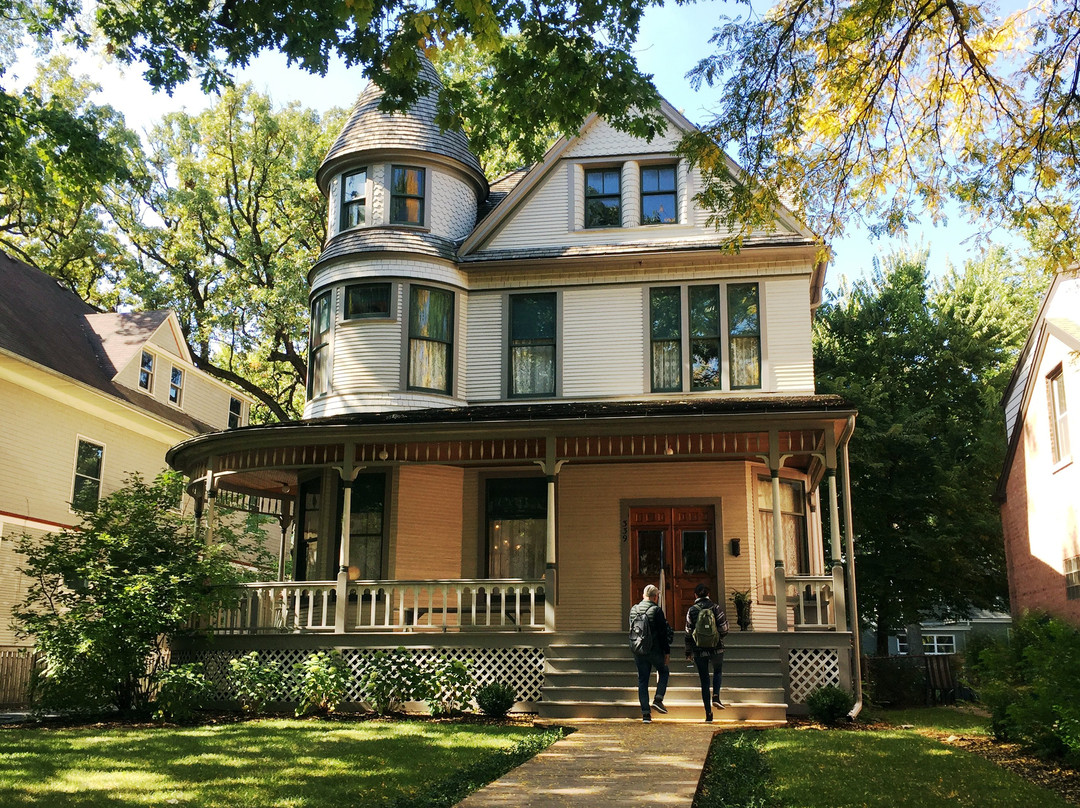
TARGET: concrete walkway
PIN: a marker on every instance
(607, 763)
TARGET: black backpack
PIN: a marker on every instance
(641, 637)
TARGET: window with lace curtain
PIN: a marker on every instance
(532, 344)
(795, 541)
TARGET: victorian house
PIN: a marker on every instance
(528, 398)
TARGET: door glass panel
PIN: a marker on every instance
(694, 555)
(650, 552)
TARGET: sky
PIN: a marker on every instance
(673, 38)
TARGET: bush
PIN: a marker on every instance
(324, 681)
(451, 687)
(829, 704)
(182, 689)
(254, 682)
(1030, 685)
(496, 699)
(391, 679)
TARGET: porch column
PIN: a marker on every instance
(211, 502)
(348, 474)
(286, 524)
(778, 553)
(849, 546)
(839, 599)
(550, 572)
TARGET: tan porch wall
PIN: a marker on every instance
(592, 556)
(426, 529)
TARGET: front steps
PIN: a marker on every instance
(592, 675)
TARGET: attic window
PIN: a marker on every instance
(603, 201)
(146, 371)
(236, 412)
(353, 199)
(407, 195)
(658, 195)
(176, 386)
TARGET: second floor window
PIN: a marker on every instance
(705, 338)
(431, 315)
(603, 200)
(146, 371)
(367, 300)
(658, 195)
(86, 489)
(407, 195)
(1059, 426)
(319, 341)
(236, 412)
(176, 386)
(353, 199)
(665, 328)
(532, 344)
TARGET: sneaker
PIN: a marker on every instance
(659, 706)
(719, 705)
(708, 718)
(646, 719)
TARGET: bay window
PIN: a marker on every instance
(318, 381)
(431, 314)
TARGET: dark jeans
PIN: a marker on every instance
(645, 664)
(702, 663)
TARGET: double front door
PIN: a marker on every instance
(680, 541)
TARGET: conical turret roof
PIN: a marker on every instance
(371, 130)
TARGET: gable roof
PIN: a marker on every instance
(46, 325)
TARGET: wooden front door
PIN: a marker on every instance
(679, 540)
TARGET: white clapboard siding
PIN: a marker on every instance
(603, 341)
(787, 334)
(542, 219)
(367, 356)
(205, 400)
(486, 338)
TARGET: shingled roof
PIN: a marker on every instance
(370, 129)
(50, 326)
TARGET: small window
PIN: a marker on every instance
(517, 527)
(532, 344)
(86, 489)
(658, 195)
(665, 329)
(146, 372)
(353, 199)
(901, 645)
(318, 355)
(744, 335)
(1059, 426)
(407, 195)
(176, 386)
(1072, 578)
(603, 202)
(939, 643)
(367, 300)
(236, 412)
(431, 316)
(704, 337)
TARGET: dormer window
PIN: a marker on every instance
(603, 199)
(658, 195)
(353, 199)
(407, 195)
(146, 372)
(176, 386)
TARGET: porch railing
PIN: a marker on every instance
(439, 605)
(811, 598)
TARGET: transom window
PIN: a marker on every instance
(532, 344)
(517, 527)
(407, 195)
(792, 524)
(1059, 425)
(658, 195)
(318, 355)
(86, 489)
(367, 300)
(146, 371)
(665, 329)
(236, 412)
(176, 386)
(353, 199)
(603, 199)
(431, 314)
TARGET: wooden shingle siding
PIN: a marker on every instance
(428, 536)
(334, 207)
(486, 341)
(601, 139)
(394, 270)
(631, 194)
(593, 580)
(452, 205)
(787, 334)
(603, 342)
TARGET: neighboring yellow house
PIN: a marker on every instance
(87, 398)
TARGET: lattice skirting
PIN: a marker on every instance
(811, 668)
(521, 667)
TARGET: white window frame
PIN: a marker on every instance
(240, 412)
(933, 643)
(149, 371)
(362, 202)
(1060, 446)
(176, 389)
(76, 474)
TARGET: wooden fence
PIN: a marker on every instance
(15, 666)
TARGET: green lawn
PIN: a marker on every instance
(893, 768)
(265, 763)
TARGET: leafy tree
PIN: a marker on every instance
(230, 215)
(881, 112)
(925, 365)
(104, 598)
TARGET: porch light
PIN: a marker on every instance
(736, 549)
(383, 454)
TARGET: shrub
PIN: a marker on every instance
(391, 679)
(182, 689)
(254, 682)
(829, 704)
(495, 699)
(324, 681)
(451, 687)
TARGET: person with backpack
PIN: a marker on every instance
(706, 627)
(650, 641)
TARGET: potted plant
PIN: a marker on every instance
(742, 601)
